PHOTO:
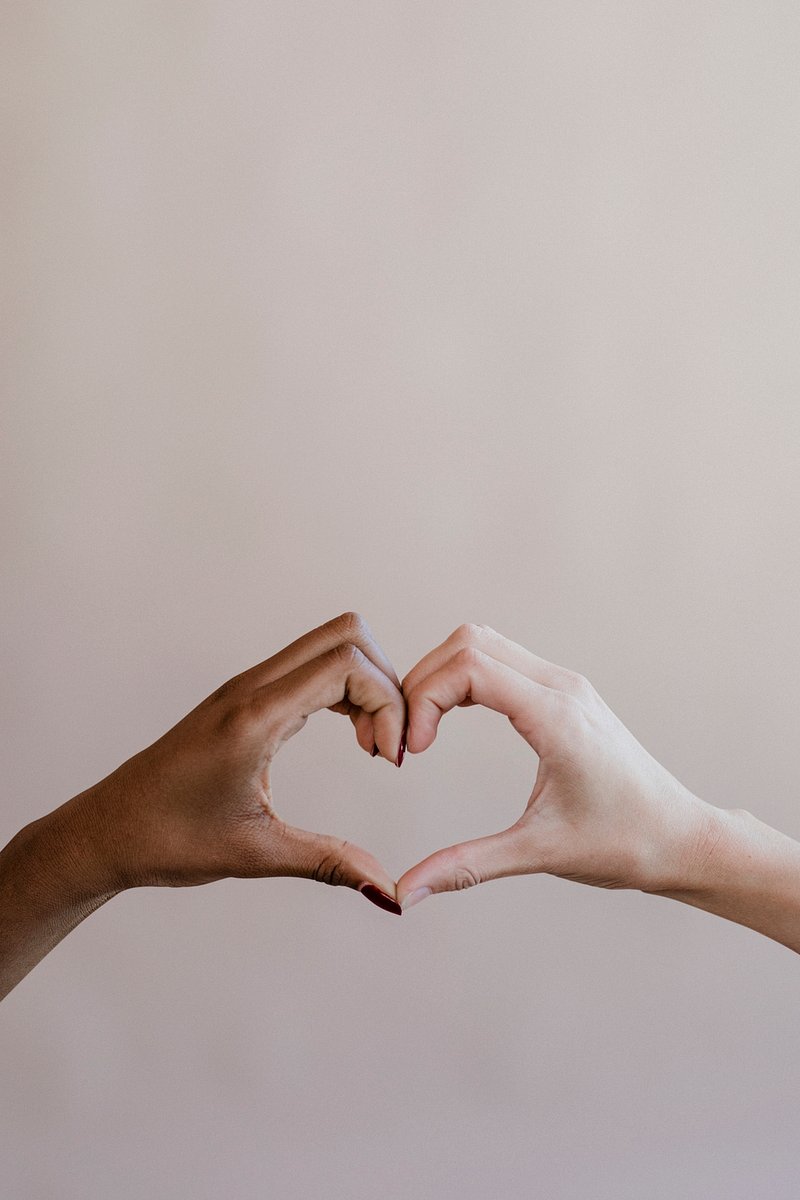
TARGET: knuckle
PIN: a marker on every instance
(226, 690)
(469, 633)
(240, 720)
(460, 873)
(352, 626)
(348, 654)
(331, 869)
(464, 877)
(576, 684)
(467, 656)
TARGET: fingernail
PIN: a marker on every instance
(380, 898)
(416, 896)
(401, 752)
(375, 751)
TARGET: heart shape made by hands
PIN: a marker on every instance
(197, 804)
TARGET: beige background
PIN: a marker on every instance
(440, 311)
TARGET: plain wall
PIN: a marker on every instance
(442, 312)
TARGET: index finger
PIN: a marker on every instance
(348, 628)
(470, 674)
(342, 673)
(490, 642)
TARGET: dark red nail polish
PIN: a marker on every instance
(380, 898)
(375, 751)
(402, 751)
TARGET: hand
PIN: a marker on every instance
(602, 810)
(197, 805)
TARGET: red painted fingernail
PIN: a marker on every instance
(380, 898)
(401, 752)
(375, 751)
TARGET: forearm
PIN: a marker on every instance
(747, 872)
(51, 879)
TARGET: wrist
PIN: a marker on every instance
(701, 856)
(51, 878)
(68, 852)
(745, 871)
(683, 834)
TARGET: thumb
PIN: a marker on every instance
(336, 862)
(462, 866)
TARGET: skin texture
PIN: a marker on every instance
(197, 805)
(602, 810)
